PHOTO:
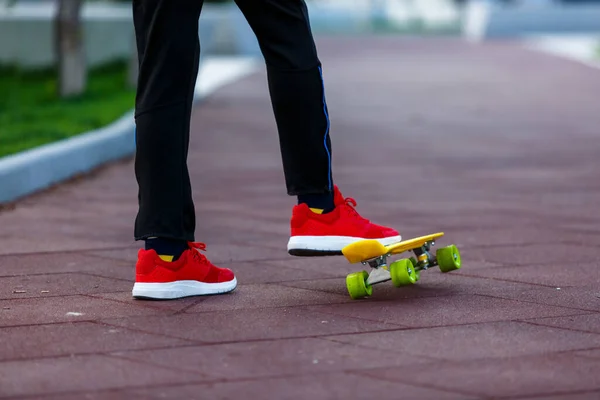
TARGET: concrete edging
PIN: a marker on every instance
(39, 168)
(485, 19)
(579, 48)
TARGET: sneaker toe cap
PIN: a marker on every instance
(382, 232)
(226, 275)
(388, 232)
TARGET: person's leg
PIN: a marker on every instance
(324, 221)
(168, 47)
(297, 92)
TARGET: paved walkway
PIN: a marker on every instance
(497, 146)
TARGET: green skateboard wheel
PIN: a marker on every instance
(357, 285)
(415, 263)
(448, 258)
(403, 273)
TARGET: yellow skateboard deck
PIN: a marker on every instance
(366, 250)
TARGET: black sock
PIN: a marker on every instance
(323, 201)
(167, 247)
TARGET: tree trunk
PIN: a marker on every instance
(72, 71)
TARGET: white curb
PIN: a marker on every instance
(36, 169)
(579, 48)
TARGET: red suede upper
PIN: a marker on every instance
(344, 220)
(191, 266)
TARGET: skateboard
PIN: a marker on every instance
(402, 272)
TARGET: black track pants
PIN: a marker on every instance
(169, 48)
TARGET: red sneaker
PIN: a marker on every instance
(327, 234)
(190, 275)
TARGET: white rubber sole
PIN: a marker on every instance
(179, 289)
(329, 244)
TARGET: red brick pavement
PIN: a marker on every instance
(494, 145)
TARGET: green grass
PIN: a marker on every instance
(31, 113)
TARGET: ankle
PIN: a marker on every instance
(167, 249)
(320, 203)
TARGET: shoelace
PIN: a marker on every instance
(350, 204)
(350, 201)
(198, 246)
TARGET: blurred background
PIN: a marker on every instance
(444, 120)
(69, 66)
